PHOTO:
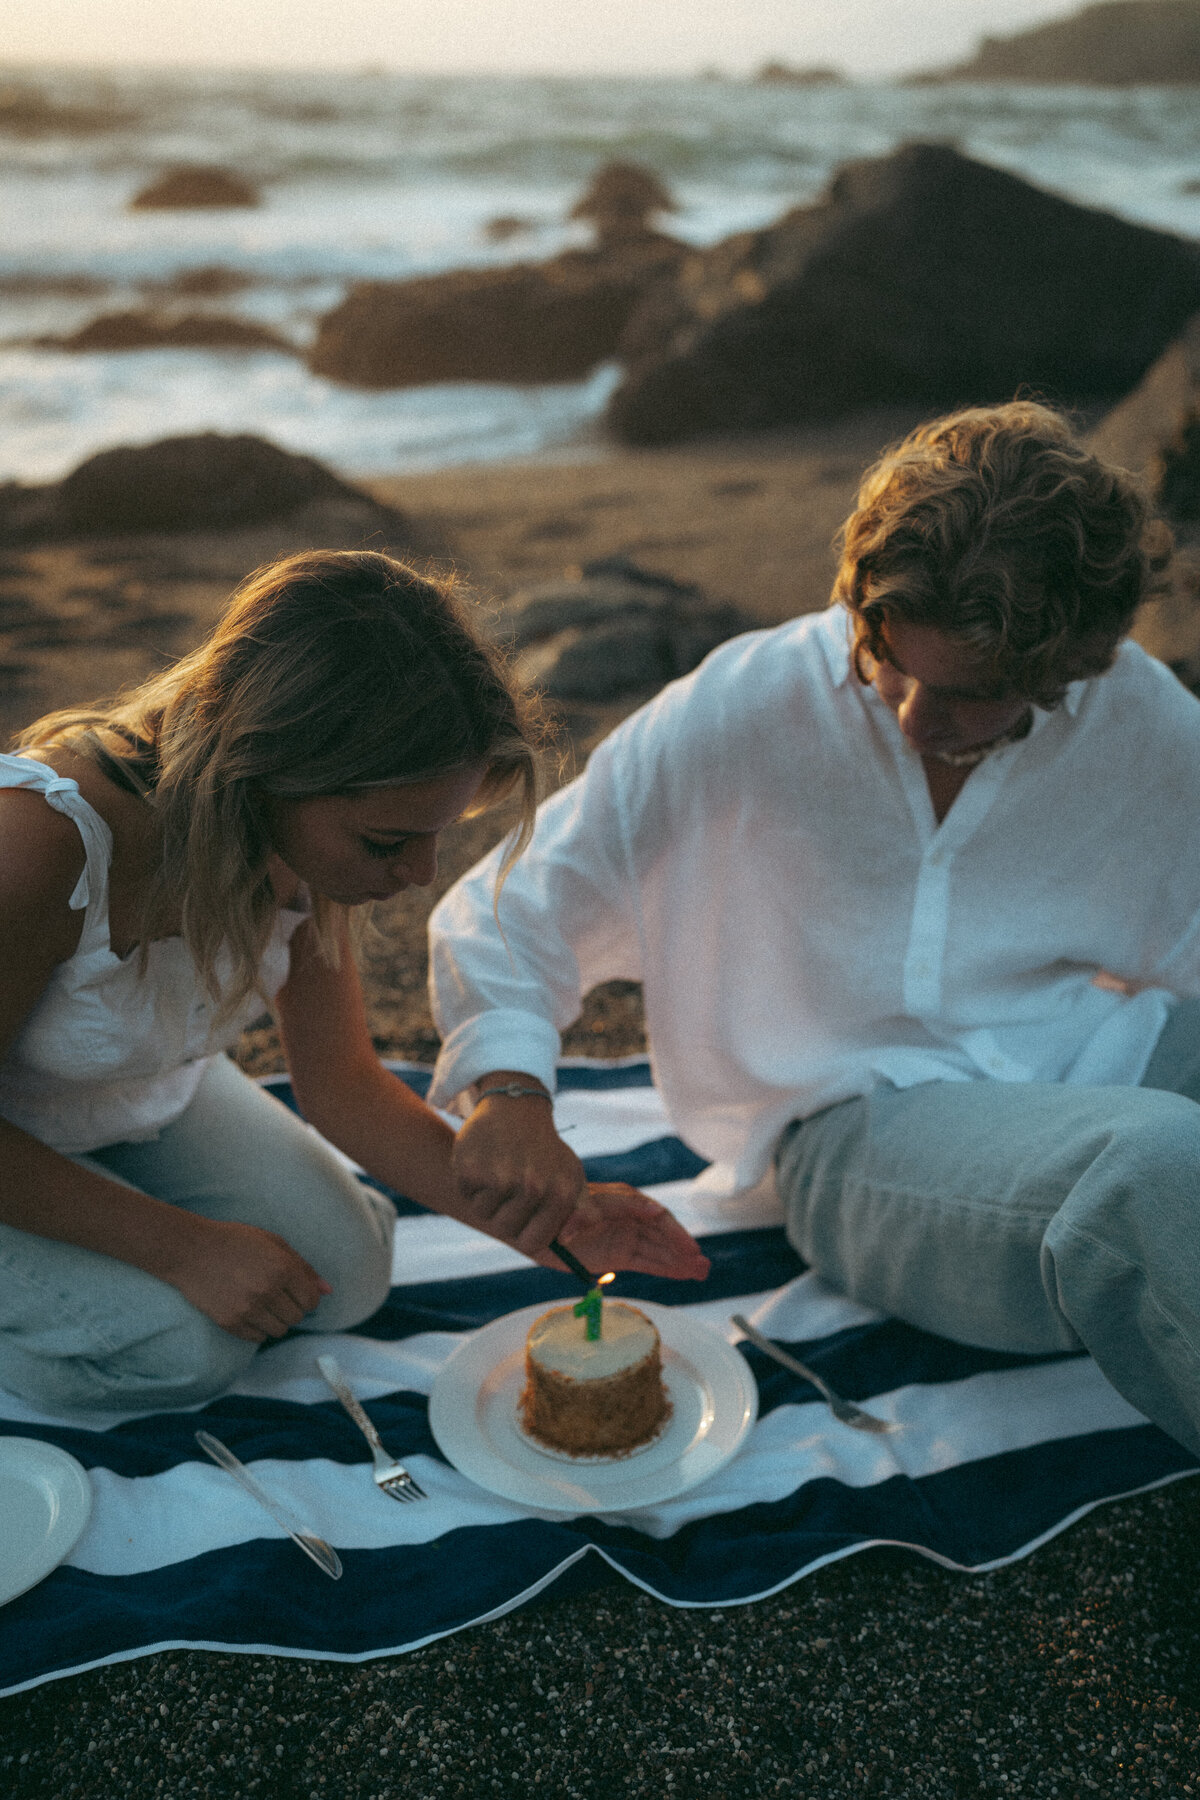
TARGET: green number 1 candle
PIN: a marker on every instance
(589, 1308)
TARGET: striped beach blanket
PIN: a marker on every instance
(997, 1453)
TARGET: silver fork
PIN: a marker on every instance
(390, 1476)
(845, 1410)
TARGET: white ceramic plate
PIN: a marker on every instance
(45, 1501)
(473, 1415)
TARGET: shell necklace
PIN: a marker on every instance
(967, 759)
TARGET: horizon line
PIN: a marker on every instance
(373, 70)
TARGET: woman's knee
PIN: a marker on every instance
(355, 1258)
(181, 1364)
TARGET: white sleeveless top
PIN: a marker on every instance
(111, 1054)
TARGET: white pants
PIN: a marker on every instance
(80, 1329)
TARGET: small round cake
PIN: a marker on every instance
(600, 1397)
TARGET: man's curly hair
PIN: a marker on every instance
(997, 527)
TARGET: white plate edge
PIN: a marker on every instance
(75, 1496)
(518, 1322)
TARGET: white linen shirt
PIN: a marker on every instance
(758, 846)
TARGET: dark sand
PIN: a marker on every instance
(1075, 1672)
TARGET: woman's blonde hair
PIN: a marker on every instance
(997, 527)
(331, 672)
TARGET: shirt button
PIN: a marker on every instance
(921, 968)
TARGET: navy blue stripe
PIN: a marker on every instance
(973, 1514)
(391, 1597)
(662, 1159)
(875, 1359)
(598, 1079)
(254, 1427)
(266, 1592)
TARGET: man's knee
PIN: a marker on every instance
(1137, 1198)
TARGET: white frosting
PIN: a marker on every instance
(558, 1341)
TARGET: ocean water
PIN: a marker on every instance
(379, 176)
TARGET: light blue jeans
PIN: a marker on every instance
(79, 1329)
(1019, 1217)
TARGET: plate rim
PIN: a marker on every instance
(74, 1492)
(602, 1505)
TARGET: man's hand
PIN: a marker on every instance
(249, 1282)
(617, 1227)
(516, 1178)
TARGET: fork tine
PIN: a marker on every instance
(403, 1487)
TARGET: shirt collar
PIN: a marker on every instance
(837, 635)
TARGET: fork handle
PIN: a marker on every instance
(331, 1370)
(781, 1356)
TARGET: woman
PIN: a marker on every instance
(168, 865)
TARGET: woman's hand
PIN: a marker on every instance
(518, 1181)
(249, 1282)
(617, 1227)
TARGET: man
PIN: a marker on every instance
(913, 887)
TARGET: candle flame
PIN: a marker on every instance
(603, 1280)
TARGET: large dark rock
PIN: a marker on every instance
(921, 277)
(1118, 43)
(551, 321)
(135, 330)
(201, 483)
(1155, 430)
(617, 630)
(194, 186)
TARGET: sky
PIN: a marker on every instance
(863, 37)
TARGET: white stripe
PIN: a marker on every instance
(944, 1427)
(147, 1522)
(433, 1248)
(806, 1310)
(609, 1122)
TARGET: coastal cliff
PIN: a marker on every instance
(1116, 43)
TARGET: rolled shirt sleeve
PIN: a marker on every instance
(508, 974)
